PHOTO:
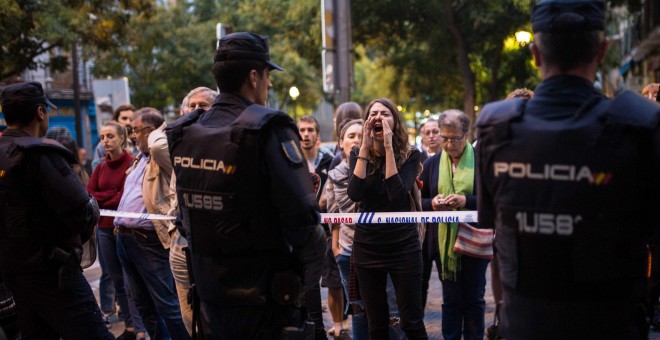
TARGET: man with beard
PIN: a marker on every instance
(319, 163)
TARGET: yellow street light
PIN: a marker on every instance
(294, 93)
(523, 37)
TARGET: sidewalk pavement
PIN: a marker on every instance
(432, 317)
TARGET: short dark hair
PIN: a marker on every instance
(21, 114)
(310, 119)
(64, 137)
(149, 116)
(568, 50)
(120, 108)
(231, 74)
(346, 112)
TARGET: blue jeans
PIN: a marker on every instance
(360, 322)
(106, 286)
(463, 301)
(109, 259)
(407, 280)
(147, 268)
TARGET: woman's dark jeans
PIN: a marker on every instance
(407, 279)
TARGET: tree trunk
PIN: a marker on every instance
(467, 76)
(493, 95)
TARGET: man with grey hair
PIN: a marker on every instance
(198, 98)
(569, 179)
(143, 244)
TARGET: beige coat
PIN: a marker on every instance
(159, 197)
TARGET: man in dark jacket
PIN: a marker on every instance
(247, 204)
(45, 216)
(319, 162)
(569, 179)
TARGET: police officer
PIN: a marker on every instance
(248, 208)
(45, 216)
(569, 180)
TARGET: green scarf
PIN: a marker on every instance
(461, 183)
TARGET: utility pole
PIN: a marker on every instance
(76, 94)
(344, 50)
(337, 49)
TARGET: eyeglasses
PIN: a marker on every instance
(136, 131)
(454, 140)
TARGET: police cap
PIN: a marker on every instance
(244, 46)
(24, 93)
(565, 16)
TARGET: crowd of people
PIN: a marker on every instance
(242, 253)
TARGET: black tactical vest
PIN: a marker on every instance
(28, 230)
(571, 196)
(236, 242)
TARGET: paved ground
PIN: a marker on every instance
(432, 318)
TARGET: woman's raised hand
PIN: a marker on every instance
(367, 134)
(387, 134)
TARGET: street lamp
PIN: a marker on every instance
(294, 93)
(523, 37)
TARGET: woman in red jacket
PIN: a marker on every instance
(107, 186)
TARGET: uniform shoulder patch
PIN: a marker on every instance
(292, 151)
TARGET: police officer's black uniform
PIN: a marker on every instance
(568, 179)
(248, 210)
(45, 216)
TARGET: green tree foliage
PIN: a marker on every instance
(405, 49)
(29, 28)
(165, 55)
(448, 52)
(170, 51)
(294, 31)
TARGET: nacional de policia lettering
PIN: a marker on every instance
(401, 217)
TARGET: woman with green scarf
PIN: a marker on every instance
(449, 184)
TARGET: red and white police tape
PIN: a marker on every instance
(363, 217)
